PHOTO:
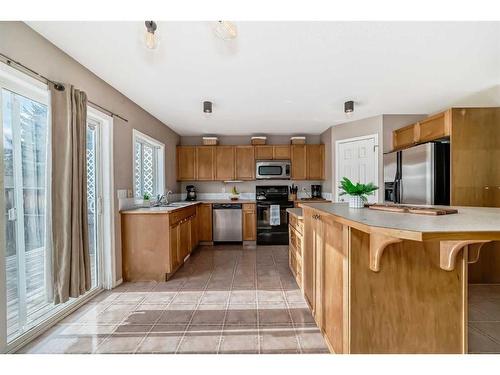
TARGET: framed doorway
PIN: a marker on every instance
(357, 159)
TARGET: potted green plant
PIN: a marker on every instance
(357, 192)
(146, 198)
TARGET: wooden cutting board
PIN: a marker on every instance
(413, 209)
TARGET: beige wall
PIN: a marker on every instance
(382, 125)
(326, 139)
(245, 139)
(21, 43)
(393, 122)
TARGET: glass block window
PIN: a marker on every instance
(148, 176)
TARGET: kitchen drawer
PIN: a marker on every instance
(182, 214)
(295, 266)
(296, 240)
(297, 224)
(249, 207)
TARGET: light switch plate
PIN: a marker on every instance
(121, 193)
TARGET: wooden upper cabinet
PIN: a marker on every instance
(205, 166)
(281, 152)
(272, 152)
(315, 155)
(186, 163)
(434, 127)
(404, 137)
(224, 163)
(299, 162)
(429, 129)
(264, 152)
(249, 222)
(245, 162)
(205, 222)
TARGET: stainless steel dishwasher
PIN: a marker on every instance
(227, 222)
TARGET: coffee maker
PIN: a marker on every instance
(316, 191)
(191, 193)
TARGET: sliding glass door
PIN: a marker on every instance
(24, 114)
(25, 125)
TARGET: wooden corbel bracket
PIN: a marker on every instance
(448, 251)
(378, 243)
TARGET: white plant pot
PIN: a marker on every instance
(355, 201)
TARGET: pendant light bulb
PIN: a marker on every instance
(151, 37)
(226, 30)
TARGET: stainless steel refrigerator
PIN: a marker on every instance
(418, 175)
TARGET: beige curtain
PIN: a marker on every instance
(70, 247)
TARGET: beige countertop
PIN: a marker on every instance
(468, 223)
(226, 201)
(158, 210)
(295, 211)
(166, 210)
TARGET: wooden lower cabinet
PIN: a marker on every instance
(184, 239)
(154, 245)
(410, 305)
(334, 288)
(249, 222)
(325, 277)
(194, 232)
(205, 222)
(295, 248)
(175, 259)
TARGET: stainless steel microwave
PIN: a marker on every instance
(273, 169)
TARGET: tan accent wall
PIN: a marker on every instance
(21, 43)
(326, 139)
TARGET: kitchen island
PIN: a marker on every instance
(383, 282)
(156, 241)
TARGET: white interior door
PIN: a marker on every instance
(357, 159)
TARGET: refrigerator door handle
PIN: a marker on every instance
(400, 192)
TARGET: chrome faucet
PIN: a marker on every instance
(167, 195)
(159, 199)
(162, 200)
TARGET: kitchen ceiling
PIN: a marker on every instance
(285, 77)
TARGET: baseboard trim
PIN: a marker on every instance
(117, 282)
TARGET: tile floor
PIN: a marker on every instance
(225, 299)
(484, 318)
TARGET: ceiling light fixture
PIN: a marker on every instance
(226, 30)
(207, 107)
(349, 108)
(150, 38)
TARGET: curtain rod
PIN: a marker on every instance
(9, 61)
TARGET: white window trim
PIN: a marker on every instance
(160, 164)
(108, 263)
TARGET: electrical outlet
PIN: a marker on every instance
(130, 194)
